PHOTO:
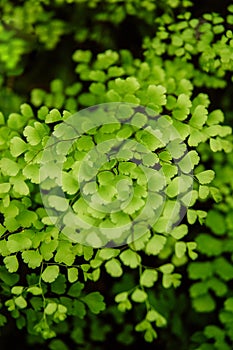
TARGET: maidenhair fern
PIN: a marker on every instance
(116, 174)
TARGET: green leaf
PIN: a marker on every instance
(134, 205)
(107, 192)
(10, 304)
(150, 335)
(85, 143)
(171, 280)
(216, 222)
(47, 249)
(97, 75)
(20, 302)
(97, 89)
(72, 274)
(150, 159)
(188, 162)
(123, 296)
(34, 290)
(201, 214)
(190, 198)
(5, 187)
(154, 316)
(198, 289)
(228, 304)
(124, 305)
(50, 308)
(64, 253)
(142, 326)
(209, 245)
(69, 184)
(179, 231)
(8, 278)
(215, 144)
(191, 216)
(2, 119)
(106, 59)
(196, 137)
(32, 135)
(130, 258)
(115, 71)
(76, 289)
(93, 239)
(147, 139)
(3, 320)
(31, 171)
(37, 97)
(191, 247)
(96, 262)
(182, 128)
(59, 285)
(50, 273)
(205, 177)
(95, 275)
(223, 269)
(182, 107)
(161, 224)
(26, 218)
(176, 148)
(218, 287)
(113, 96)
(26, 110)
(108, 253)
(203, 192)
(17, 146)
(11, 263)
(139, 295)
(32, 258)
(204, 303)
(200, 270)
(82, 56)
(16, 121)
(215, 332)
(95, 302)
(53, 116)
(215, 117)
(58, 203)
(56, 85)
(124, 112)
(155, 245)
(139, 120)
(148, 277)
(128, 85)
(180, 249)
(113, 267)
(156, 183)
(17, 290)
(167, 268)
(174, 187)
(57, 344)
(124, 133)
(9, 167)
(199, 117)
(18, 242)
(105, 177)
(156, 95)
(12, 225)
(89, 188)
(42, 112)
(19, 186)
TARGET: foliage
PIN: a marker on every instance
(170, 286)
